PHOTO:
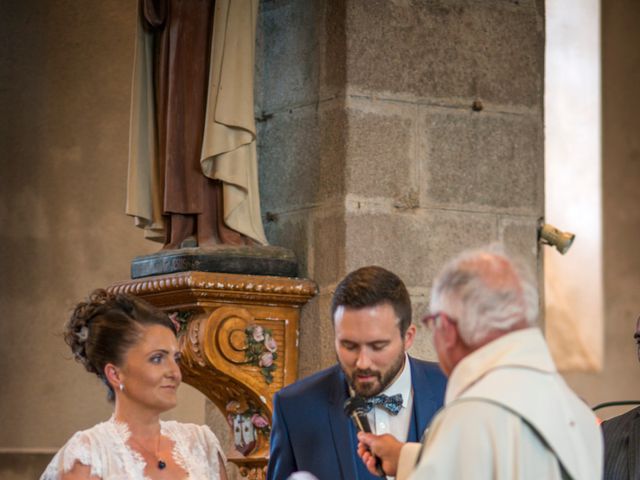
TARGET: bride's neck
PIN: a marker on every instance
(141, 422)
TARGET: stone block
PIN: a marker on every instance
(289, 230)
(520, 237)
(333, 74)
(491, 49)
(423, 344)
(302, 158)
(316, 345)
(303, 58)
(290, 55)
(327, 245)
(258, 72)
(423, 347)
(481, 161)
(381, 148)
(309, 355)
(414, 245)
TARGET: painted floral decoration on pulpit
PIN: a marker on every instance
(246, 423)
(180, 319)
(261, 350)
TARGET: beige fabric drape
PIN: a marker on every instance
(229, 144)
(145, 183)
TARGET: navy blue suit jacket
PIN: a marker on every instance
(310, 431)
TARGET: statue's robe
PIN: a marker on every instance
(169, 171)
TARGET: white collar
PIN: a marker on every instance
(402, 383)
(525, 348)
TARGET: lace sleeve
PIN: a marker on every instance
(79, 449)
(197, 449)
(213, 444)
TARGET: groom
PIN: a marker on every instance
(371, 313)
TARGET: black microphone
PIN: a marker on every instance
(356, 408)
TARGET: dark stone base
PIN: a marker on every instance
(254, 260)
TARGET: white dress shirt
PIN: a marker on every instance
(382, 421)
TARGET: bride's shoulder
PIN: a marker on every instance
(82, 447)
(99, 430)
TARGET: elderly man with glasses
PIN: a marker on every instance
(508, 413)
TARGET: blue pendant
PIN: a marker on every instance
(161, 465)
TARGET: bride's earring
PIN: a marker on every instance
(121, 387)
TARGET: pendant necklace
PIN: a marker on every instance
(161, 463)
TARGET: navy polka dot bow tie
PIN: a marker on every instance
(391, 404)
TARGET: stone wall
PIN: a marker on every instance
(372, 150)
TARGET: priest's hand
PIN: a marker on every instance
(385, 447)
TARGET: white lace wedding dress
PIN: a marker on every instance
(104, 448)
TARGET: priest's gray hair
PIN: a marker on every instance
(485, 293)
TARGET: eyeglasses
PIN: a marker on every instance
(433, 320)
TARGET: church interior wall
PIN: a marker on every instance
(64, 96)
(621, 218)
(420, 138)
(393, 133)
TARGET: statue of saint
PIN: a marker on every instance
(192, 153)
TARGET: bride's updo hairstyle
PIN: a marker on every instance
(102, 329)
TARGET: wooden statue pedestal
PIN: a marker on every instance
(239, 341)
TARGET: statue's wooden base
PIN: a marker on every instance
(239, 342)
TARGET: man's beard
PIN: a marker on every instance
(370, 389)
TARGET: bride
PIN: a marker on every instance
(132, 347)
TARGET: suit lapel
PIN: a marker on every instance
(341, 427)
(424, 402)
(414, 426)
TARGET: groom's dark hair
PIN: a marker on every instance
(371, 286)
